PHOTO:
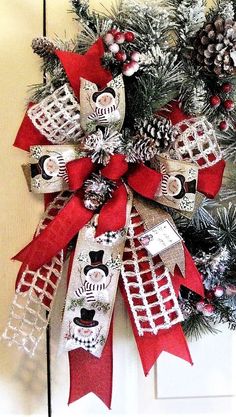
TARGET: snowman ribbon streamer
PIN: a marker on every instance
(109, 243)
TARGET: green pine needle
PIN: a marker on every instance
(197, 326)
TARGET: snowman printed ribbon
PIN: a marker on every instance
(92, 288)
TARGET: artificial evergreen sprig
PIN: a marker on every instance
(224, 227)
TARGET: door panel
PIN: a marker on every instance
(23, 388)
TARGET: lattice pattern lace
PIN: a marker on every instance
(148, 285)
(35, 293)
(196, 141)
(57, 117)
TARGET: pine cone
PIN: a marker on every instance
(214, 45)
(143, 148)
(158, 129)
(151, 137)
(43, 46)
(97, 190)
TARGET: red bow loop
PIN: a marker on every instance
(116, 167)
(78, 171)
(145, 181)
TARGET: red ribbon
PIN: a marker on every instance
(88, 66)
(210, 179)
(28, 135)
(91, 374)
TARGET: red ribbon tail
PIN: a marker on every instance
(210, 179)
(151, 346)
(91, 374)
(87, 66)
(192, 279)
(28, 135)
(113, 214)
(56, 235)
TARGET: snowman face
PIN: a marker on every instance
(83, 332)
(105, 100)
(51, 167)
(173, 186)
(96, 275)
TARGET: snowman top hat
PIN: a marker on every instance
(86, 319)
(106, 90)
(96, 262)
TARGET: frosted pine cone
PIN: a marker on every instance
(216, 46)
(42, 46)
(152, 136)
(159, 129)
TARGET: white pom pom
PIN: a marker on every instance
(114, 48)
(109, 39)
(135, 56)
(128, 70)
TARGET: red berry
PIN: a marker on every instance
(128, 69)
(227, 88)
(229, 105)
(209, 295)
(208, 310)
(129, 36)
(119, 37)
(120, 56)
(223, 126)
(113, 31)
(134, 65)
(215, 101)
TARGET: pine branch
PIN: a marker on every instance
(188, 16)
(116, 9)
(194, 91)
(228, 144)
(149, 22)
(224, 227)
(197, 326)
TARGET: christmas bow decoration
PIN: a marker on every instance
(120, 234)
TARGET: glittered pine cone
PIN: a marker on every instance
(43, 46)
(215, 47)
(97, 190)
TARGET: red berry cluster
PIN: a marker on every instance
(225, 102)
(205, 306)
(114, 39)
